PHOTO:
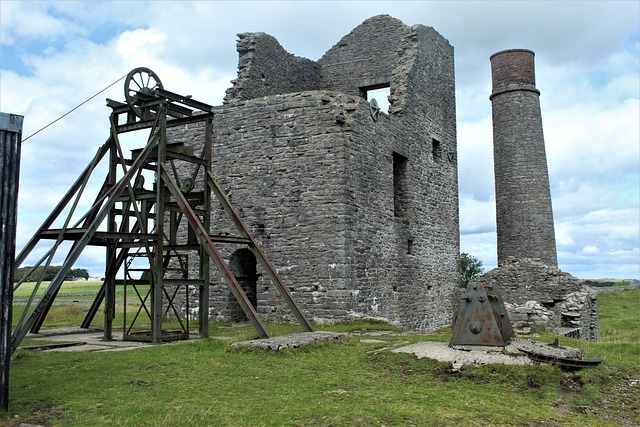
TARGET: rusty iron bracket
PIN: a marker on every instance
(482, 319)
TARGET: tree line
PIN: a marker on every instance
(470, 267)
(49, 273)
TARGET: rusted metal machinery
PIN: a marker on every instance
(135, 221)
(482, 321)
(482, 318)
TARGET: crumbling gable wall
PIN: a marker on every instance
(265, 68)
(364, 58)
(359, 216)
(427, 90)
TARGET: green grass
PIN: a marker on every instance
(68, 290)
(26, 288)
(72, 303)
(620, 321)
(72, 315)
(210, 383)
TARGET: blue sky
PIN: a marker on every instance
(54, 55)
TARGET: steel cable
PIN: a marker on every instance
(73, 109)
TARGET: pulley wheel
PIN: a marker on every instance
(140, 81)
(187, 185)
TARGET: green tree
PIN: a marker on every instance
(49, 273)
(20, 273)
(78, 272)
(470, 267)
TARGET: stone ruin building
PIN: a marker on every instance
(356, 207)
(535, 291)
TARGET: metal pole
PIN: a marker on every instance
(10, 141)
(158, 260)
(204, 258)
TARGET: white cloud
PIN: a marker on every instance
(587, 140)
(475, 158)
(28, 21)
(482, 246)
(477, 217)
(141, 46)
(563, 237)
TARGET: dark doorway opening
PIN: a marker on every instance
(243, 266)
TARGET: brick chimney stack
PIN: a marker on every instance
(523, 199)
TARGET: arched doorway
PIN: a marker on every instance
(243, 266)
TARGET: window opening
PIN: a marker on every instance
(436, 148)
(380, 93)
(400, 191)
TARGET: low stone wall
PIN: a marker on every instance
(615, 288)
(536, 294)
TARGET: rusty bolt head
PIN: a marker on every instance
(475, 327)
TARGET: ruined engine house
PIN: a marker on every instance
(356, 207)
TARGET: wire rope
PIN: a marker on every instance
(73, 109)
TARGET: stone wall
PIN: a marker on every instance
(359, 216)
(265, 68)
(536, 294)
(616, 288)
(365, 57)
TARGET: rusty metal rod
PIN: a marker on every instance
(259, 254)
(55, 284)
(216, 256)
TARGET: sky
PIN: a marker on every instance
(55, 55)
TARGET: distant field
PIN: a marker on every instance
(73, 302)
(28, 286)
(72, 291)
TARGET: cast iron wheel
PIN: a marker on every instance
(140, 81)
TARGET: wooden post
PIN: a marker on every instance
(10, 141)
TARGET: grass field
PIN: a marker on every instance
(26, 288)
(351, 383)
(80, 291)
